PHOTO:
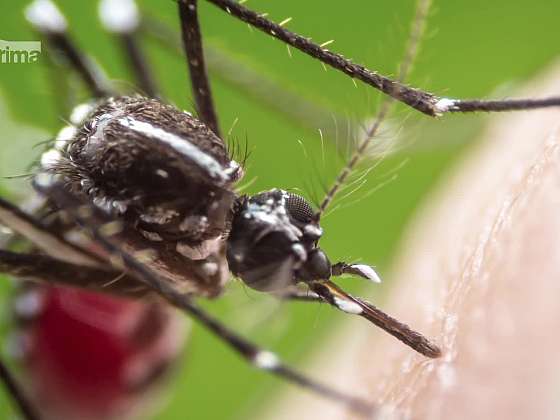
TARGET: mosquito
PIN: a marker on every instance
(141, 197)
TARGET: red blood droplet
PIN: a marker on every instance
(93, 356)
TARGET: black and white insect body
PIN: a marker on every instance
(169, 180)
(154, 190)
(164, 174)
(141, 177)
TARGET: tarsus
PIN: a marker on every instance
(420, 100)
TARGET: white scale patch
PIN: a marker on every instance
(45, 180)
(44, 15)
(209, 246)
(50, 158)
(348, 306)
(444, 105)
(275, 216)
(214, 169)
(368, 272)
(161, 173)
(210, 268)
(120, 16)
(80, 113)
(64, 136)
(266, 360)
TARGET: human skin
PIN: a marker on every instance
(479, 272)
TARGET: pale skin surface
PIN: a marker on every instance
(479, 272)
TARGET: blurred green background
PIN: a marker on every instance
(472, 49)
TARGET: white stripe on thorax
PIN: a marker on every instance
(214, 169)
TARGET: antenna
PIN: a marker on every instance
(411, 51)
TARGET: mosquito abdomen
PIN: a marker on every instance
(92, 356)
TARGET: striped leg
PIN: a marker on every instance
(42, 268)
(192, 43)
(422, 101)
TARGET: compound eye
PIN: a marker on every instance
(299, 209)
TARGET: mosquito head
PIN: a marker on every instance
(273, 241)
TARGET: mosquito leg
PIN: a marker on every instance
(424, 102)
(47, 19)
(259, 358)
(122, 18)
(14, 389)
(265, 90)
(67, 264)
(192, 44)
(460, 105)
(50, 242)
(42, 268)
(268, 361)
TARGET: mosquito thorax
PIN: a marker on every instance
(162, 173)
(273, 241)
(161, 167)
